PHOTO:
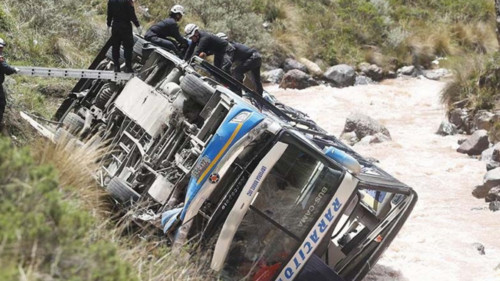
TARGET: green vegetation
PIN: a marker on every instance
(56, 224)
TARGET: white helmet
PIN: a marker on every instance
(177, 9)
(2, 43)
(190, 30)
(222, 35)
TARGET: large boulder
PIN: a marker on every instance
(371, 70)
(364, 125)
(475, 144)
(446, 128)
(291, 64)
(490, 180)
(493, 195)
(341, 75)
(296, 79)
(312, 67)
(273, 76)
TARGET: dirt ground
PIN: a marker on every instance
(437, 241)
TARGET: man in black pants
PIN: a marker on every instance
(205, 44)
(120, 15)
(159, 32)
(246, 60)
(5, 69)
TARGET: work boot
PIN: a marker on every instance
(129, 69)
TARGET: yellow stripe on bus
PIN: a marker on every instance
(220, 152)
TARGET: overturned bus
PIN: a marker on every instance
(257, 184)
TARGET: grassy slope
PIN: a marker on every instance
(52, 227)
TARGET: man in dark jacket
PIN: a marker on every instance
(246, 60)
(204, 44)
(159, 32)
(120, 15)
(5, 69)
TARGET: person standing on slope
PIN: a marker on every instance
(5, 69)
(159, 32)
(246, 60)
(120, 15)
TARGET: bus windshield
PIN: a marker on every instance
(289, 201)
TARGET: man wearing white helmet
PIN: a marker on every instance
(204, 44)
(5, 69)
(159, 32)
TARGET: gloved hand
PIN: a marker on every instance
(17, 69)
(139, 30)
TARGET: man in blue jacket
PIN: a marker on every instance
(159, 33)
(5, 69)
(120, 15)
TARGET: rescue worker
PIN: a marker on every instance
(246, 60)
(204, 44)
(120, 15)
(159, 32)
(5, 69)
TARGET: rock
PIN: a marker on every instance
(371, 70)
(487, 155)
(312, 67)
(379, 138)
(491, 179)
(492, 165)
(495, 155)
(349, 137)
(493, 194)
(483, 120)
(365, 141)
(457, 117)
(364, 126)
(296, 79)
(446, 128)
(341, 75)
(273, 76)
(390, 74)
(475, 144)
(436, 74)
(495, 206)
(407, 70)
(291, 64)
(363, 80)
(480, 191)
(479, 247)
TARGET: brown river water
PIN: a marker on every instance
(436, 243)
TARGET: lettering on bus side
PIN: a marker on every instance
(257, 180)
(311, 241)
(308, 215)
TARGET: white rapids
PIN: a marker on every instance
(436, 243)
